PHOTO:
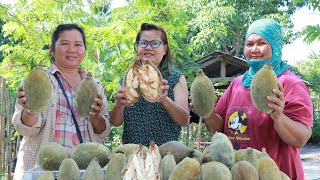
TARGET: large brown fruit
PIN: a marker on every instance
(244, 170)
(268, 169)
(93, 171)
(115, 166)
(202, 95)
(187, 169)
(51, 155)
(221, 149)
(166, 166)
(69, 170)
(84, 152)
(85, 95)
(177, 149)
(263, 82)
(37, 88)
(215, 170)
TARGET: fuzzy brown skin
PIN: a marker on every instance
(221, 149)
(167, 165)
(85, 95)
(51, 155)
(215, 170)
(202, 95)
(115, 166)
(93, 171)
(244, 170)
(262, 85)
(37, 88)
(83, 154)
(187, 169)
(268, 169)
(177, 149)
(69, 170)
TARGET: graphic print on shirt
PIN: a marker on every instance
(238, 130)
(237, 123)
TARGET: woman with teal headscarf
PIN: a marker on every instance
(288, 127)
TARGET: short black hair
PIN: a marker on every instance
(62, 27)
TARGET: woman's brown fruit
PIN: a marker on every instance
(85, 95)
(262, 85)
(37, 88)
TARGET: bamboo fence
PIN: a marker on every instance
(6, 110)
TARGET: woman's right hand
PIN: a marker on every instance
(21, 97)
(121, 98)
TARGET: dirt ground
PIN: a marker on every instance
(310, 156)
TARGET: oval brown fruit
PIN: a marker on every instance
(202, 95)
(263, 82)
(37, 88)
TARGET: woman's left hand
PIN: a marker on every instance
(277, 103)
(96, 108)
(164, 90)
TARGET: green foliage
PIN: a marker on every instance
(310, 72)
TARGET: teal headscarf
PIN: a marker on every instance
(272, 32)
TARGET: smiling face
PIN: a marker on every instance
(155, 55)
(257, 48)
(69, 50)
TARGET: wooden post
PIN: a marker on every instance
(198, 139)
(9, 135)
(2, 125)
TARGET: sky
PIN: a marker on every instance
(299, 50)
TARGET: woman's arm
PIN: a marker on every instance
(290, 131)
(177, 109)
(117, 113)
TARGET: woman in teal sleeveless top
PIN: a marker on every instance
(159, 121)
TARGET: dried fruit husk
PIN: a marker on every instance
(142, 79)
(86, 93)
(202, 94)
(263, 82)
(69, 170)
(130, 82)
(51, 155)
(37, 88)
(150, 81)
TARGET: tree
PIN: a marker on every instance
(311, 33)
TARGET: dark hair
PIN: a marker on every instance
(63, 27)
(166, 63)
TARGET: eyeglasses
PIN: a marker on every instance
(153, 43)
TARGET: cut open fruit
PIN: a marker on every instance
(142, 79)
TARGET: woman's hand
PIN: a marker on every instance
(121, 98)
(277, 103)
(164, 90)
(21, 96)
(96, 107)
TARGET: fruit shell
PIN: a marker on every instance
(150, 98)
(135, 66)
